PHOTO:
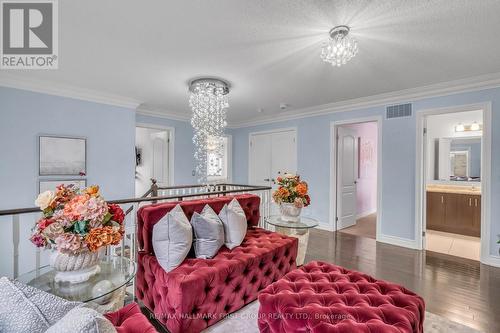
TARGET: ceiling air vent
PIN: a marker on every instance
(398, 111)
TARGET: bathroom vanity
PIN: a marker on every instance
(455, 209)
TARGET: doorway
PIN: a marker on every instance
(356, 173)
(271, 153)
(154, 156)
(453, 152)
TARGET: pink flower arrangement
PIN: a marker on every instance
(69, 217)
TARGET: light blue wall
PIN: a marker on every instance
(184, 162)
(398, 159)
(110, 133)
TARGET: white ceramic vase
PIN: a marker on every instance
(74, 268)
(289, 212)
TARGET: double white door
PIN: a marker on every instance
(272, 154)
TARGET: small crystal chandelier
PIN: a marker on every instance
(340, 47)
(208, 101)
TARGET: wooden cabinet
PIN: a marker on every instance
(435, 210)
(455, 213)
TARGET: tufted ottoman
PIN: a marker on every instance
(201, 292)
(321, 297)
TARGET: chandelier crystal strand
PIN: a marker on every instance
(340, 48)
(208, 101)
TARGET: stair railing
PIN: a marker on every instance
(20, 221)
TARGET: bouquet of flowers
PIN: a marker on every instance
(76, 220)
(292, 190)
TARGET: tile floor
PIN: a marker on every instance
(453, 244)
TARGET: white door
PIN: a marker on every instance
(260, 160)
(270, 154)
(347, 175)
(160, 158)
(153, 146)
(284, 153)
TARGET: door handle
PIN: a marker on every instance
(355, 182)
(442, 199)
(470, 201)
(475, 201)
(267, 180)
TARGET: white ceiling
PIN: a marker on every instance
(268, 50)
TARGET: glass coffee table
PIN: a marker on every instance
(105, 291)
(299, 229)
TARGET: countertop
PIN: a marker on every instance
(458, 189)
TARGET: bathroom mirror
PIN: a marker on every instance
(458, 159)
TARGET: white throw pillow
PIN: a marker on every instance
(24, 309)
(235, 224)
(172, 239)
(208, 233)
(82, 320)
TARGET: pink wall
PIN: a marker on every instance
(367, 183)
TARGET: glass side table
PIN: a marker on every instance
(105, 291)
(299, 229)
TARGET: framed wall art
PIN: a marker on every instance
(62, 156)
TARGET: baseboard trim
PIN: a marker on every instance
(365, 214)
(398, 241)
(491, 260)
(325, 227)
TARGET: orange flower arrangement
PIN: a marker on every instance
(301, 188)
(292, 190)
(103, 236)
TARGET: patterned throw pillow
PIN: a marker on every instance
(24, 309)
(235, 224)
(172, 239)
(208, 233)
(82, 320)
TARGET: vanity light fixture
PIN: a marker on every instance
(459, 128)
(474, 127)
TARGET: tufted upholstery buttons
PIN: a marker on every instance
(201, 292)
(130, 319)
(148, 216)
(321, 297)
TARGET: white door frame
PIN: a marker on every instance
(171, 145)
(333, 168)
(420, 177)
(277, 130)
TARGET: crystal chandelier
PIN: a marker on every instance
(208, 101)
(340, 47)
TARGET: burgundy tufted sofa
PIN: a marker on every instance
(201, 292)
(321, 297)
(130, 319)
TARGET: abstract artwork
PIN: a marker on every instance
(62, 156)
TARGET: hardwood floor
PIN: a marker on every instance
(364, 227)
(459, 289)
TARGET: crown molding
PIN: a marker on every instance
(46, 87)
(407, 95)
(161, 113)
